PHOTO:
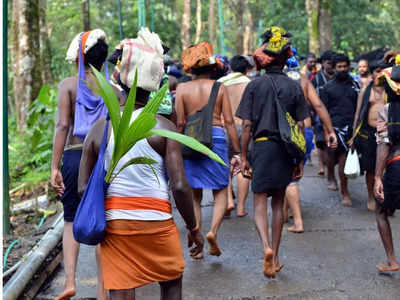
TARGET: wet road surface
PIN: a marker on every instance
(334, 258)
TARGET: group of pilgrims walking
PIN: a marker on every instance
(238, 107)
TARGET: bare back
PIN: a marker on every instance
(194, 95)
(235, 93)
(67, 90)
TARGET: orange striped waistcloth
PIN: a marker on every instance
(135, 253)
(138, 203)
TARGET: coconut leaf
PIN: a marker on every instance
(141, 160)
(128, 109)
(155, 102)
(110, 98)
(188, 141)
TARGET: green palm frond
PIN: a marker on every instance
(127, 133)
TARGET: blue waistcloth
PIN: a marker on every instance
(309, 135)
(207, 173)
(70, 171)
(88, 108)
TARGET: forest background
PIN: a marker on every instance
(40, 31)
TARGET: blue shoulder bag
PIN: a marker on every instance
(90, 220)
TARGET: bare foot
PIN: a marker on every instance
(296, 229)
(66, 294)
(278, 267)
(212, 240)
(332, 186)
(321, 172)
(269, 266)
(346, 200)
(390, 267)
(242, 213)
(229, 210)
(199, 255)
(371, 205)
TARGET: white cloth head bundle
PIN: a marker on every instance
(145, 54)
(94, 36)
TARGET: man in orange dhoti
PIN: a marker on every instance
(142, 243)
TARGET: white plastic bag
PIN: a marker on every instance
(352, 166)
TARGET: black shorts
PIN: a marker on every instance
(272, 166)
(70, 172)
(391, 186)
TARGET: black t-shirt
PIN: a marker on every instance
(340, 99)
(319, 80)
(258, 104)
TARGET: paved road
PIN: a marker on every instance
(334, 259)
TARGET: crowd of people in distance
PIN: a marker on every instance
(242, 107)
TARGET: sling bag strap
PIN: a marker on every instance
(209, 108)
(199, 125)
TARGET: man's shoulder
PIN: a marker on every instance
(68, 83)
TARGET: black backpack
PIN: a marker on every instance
(290, 133)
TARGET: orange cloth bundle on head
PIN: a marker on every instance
(261, 59)
(198, 56)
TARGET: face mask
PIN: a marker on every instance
(342, 76)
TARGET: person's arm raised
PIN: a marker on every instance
(60, 134)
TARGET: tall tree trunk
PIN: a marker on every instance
(185, 34)
(325, 26)
(86, 15)
(312, 7)
(199, 23)
(211, 23)
(248, 38)
(26, 56)
(45, 51)
(239, 19)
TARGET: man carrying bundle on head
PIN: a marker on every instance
(370, 101)
(268, 102)
(200, 106)
(387, 185)
(78, 109)
(142, 243)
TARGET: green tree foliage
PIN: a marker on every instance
(363, 25)
(30, 152)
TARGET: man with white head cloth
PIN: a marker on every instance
(78, 109)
